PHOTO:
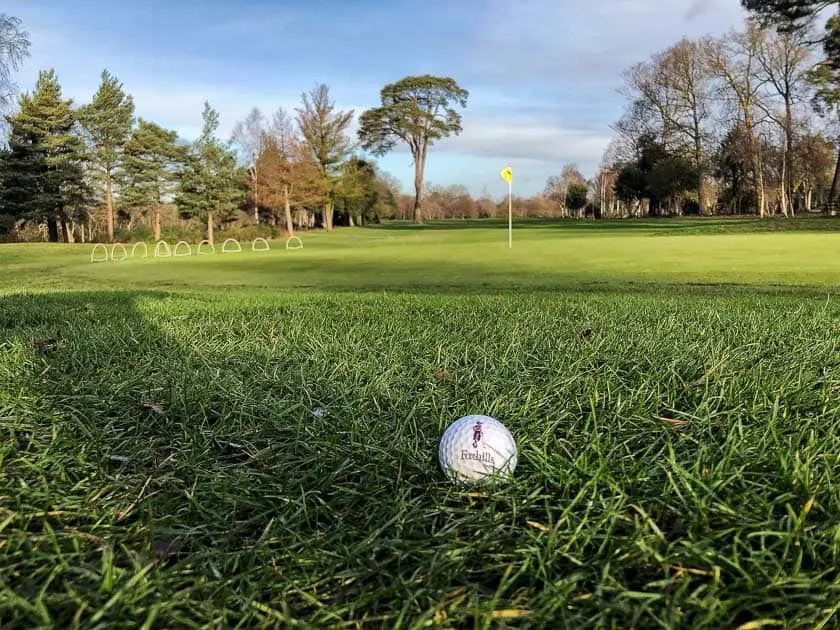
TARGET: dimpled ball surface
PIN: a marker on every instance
(475, 447)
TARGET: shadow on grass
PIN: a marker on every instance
(162, 439)
(165, 464)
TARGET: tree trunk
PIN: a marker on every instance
(254, 179)
(210, 228)
(758, 175)
(109, 203)
(418, 191)
(156, 226)
(328, 215)
(702, 199)
(835, 183)
(787, 171)
(69, 235)
(290, 228)
(783, 196)
(419, 166)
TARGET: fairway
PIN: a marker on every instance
(249, 439)
(547, 256)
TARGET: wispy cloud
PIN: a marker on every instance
(526, 138)
(542, 73)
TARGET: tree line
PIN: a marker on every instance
(742, 123)
(82, 170)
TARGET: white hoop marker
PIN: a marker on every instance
(96, 248)
(160, 248)
(185, 244)
(208, 244)
(123, 252)
(145, 249)
(225, 250)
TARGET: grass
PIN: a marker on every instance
(643, 255)
(679, 439)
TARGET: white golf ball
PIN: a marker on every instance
(475, 447)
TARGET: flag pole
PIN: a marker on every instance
(510, 214)
(507, 175)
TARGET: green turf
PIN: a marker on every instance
(634, 255)
(676, 400)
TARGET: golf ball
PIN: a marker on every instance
(474, 447)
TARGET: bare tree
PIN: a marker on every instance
(653, 107)
(14, 48)
(812, 164)
(783, 62)
(557, 186)
(638, 121)
(248, 136)
(555, 191)
(733, 59)
(686, 73)
(281, 128)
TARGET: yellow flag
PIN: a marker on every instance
(507, 174)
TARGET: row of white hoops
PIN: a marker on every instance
(162, 250)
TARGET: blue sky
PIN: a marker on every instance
(542, 74)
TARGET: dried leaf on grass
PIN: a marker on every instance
(674, 422)
(154, 406)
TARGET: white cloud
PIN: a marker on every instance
(526, 138)
(553, 67)
(542, 73)
(556, 40)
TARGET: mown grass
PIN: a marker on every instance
(641, 255)
(162, 467)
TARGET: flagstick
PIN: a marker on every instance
(510, 214)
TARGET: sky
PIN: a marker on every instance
(543, 75)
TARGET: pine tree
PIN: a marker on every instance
(42, 173)
(108, 120)
(324, 134)
(416, 111)
(151, 161)
(211, 181)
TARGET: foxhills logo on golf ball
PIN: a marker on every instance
(475, 447)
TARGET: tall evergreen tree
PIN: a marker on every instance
(151, 160)
(108, 120)
(210, 180)
(324, 134)
(42, 177)
(416, 111)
